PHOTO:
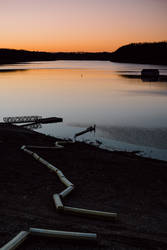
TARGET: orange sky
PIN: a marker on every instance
(80, 25)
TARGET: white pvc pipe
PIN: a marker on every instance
(47, 164)
(43, 147)
(65, 181)
(63, 234)
(43, 161)
(58, 145)
(60, 174)
(36, 156)
(28, 151)
(52, 167)
(66, 191)
(70, 187)
(58, 202)
(88, 212)
(63, 142)
(16, 241)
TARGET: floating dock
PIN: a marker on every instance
(30, 120)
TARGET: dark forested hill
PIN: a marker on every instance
(14, 56)
(152, 53)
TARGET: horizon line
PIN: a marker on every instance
(103, 51)
(56, 51)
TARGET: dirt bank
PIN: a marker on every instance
(120, 182)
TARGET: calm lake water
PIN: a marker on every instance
(130, 114)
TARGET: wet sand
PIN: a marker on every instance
(121, 182)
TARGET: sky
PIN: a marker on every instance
(80, 25)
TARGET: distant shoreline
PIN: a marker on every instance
(143, 53)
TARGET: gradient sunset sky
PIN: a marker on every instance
(80, 25)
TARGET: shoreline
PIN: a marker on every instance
(144, 53)
(121, 182)
(85, 59)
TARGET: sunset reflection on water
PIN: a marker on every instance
(84, 93)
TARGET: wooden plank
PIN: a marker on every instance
(50, 120)
(89, 129)
(16, 241)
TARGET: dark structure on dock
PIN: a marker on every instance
(150, 74)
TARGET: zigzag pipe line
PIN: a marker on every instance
(91, 213)
(58, 202)
(63, 234)
(44, 147)
(18, 239)
(22, 236)
(68, 190)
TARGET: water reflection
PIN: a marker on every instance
(161, 78)
(11, 70)
(110, 95)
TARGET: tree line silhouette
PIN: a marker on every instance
(152, 53)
